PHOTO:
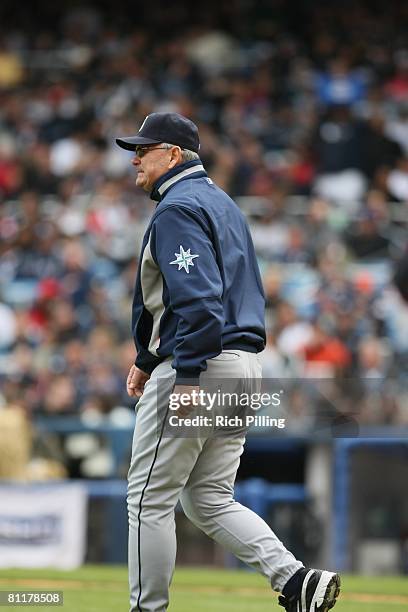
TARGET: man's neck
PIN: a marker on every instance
(173, 176)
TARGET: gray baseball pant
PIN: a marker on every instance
(200, 471)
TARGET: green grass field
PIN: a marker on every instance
(104, 589)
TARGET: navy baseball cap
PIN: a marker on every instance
(164, 127)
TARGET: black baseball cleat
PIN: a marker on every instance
(318, 593)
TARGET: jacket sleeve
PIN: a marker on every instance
(146, 361)
(186, 257)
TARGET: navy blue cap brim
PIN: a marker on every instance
(130, 143)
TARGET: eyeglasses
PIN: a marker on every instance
(141, 151)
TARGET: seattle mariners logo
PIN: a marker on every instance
(184, 259)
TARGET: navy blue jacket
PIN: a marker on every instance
(198, 289)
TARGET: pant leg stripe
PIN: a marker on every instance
(140, 510)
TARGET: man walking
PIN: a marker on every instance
(198, 314)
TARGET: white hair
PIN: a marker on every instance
(186, 154)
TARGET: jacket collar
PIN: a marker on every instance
(182, 171)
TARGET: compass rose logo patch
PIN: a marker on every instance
(184, 259)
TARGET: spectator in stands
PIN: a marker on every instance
(366, 238)
(325, 355)
(339, 150)
(60, 397)
(339, 85)
(292, 333)
(373, 360)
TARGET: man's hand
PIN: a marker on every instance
(136, 381)
(186, 405)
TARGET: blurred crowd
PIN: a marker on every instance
(303, 117)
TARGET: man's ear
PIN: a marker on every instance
(175, 157)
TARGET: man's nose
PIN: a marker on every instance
(136, 160)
